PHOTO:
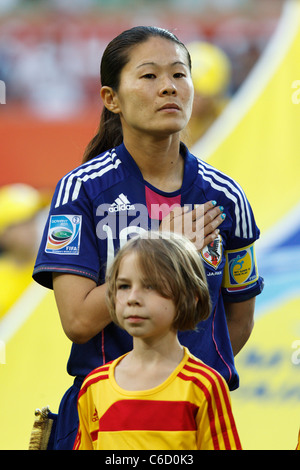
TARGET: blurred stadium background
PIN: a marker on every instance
(50, 105)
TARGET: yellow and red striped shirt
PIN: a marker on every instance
(190, 410)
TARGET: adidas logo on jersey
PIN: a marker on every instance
(121, 204)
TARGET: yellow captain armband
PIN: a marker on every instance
(240, 268)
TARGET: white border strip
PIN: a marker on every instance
(285, 228)
(18, 314)
(268, 308)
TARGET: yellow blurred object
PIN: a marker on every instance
(211, 69)
(18, 202)
(36, 357)
(14, 278)
(211, 74)
(20, 205)
(267, 406)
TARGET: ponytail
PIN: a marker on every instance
(109, 135)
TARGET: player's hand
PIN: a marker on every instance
(199, 225)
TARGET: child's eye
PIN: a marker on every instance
(148, 286)
(122, 286)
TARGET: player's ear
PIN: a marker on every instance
(110, 99)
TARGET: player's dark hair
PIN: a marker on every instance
(114, 59)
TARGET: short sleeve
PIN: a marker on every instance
(241, 279)
(69, 242)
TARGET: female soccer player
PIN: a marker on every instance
(157, 396)
(138, 175)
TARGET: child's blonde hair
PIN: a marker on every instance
(172, 266)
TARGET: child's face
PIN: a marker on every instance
(140, 309)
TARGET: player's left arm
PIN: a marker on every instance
(240, 322)
(241, 284)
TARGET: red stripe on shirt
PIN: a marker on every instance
(94, 435)
(201, 367)
(218, 403)
(148, 415)
(94, 379)
(77, 441)
(226, 399)
(210, 412)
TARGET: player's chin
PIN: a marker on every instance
(166, 130)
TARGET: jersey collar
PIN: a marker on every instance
(190, 167)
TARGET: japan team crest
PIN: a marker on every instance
(212, 253)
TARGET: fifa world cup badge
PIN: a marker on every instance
(64, 234)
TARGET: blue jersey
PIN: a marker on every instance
(99, 205)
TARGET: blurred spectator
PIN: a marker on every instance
(20, 231)
(47, 54)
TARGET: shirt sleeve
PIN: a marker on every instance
(69, 243)
(241, 279)
(83, 440)
(216, 425)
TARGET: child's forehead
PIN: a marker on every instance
(128, 258)
(131, 262)
(138, 264)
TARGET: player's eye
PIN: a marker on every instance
(149, 76)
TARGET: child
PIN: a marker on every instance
(158, 396)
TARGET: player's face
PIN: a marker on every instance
(140, 309)
(156, 92)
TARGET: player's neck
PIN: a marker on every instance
(160, 162)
